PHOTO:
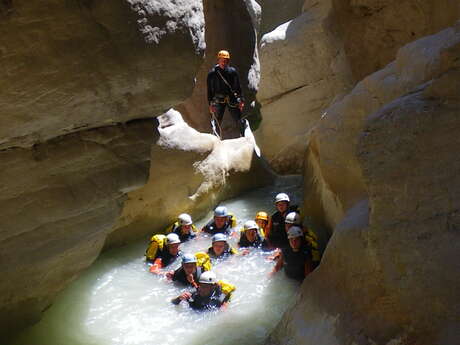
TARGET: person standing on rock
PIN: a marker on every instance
(224, 91)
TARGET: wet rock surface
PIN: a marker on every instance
(389, 274)
(190, 172)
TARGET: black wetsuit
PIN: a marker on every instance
(212, 229)
(179, 275)
(222, 95)
(258, 242)
(277, 235)
(294, 262)
(213, 301)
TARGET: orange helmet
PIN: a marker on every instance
(223, 54)
(262, 215)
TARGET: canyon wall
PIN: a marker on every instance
(316, 58)
(79, 82)
(382, 172)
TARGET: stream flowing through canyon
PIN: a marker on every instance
(118, 302)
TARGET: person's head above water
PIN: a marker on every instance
(220, 216)
(261, 219)
(173, 243)
(282, 202)
(189, 263)
(207, 283)
(219, 244)
(292, 218)
(185, 221)
(295, 236)
(250, 230)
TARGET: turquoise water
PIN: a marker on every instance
(118, 302)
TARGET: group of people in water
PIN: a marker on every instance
(292, 246)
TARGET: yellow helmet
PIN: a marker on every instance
(223, 54)
(262, 215)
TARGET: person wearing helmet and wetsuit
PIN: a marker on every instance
(162, 251)
(209, 294)
(189, 272)
(276, 234)
(296, 258)
(220, 248)
(224, 91)
(184, 228)
(221, 223)
(250, 236)
(293, 219)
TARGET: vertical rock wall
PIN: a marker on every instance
(390, 189)
(76, 80)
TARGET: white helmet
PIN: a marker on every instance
(292, 218)
(220, 211)
(172, 239)
(185, 219)
(281, 197)
(189, 259)
(219, 237)
(294, 232)
(250, 224)
(208, 277)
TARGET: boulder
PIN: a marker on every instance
(190, 172)
(390, 273)
(58, 201)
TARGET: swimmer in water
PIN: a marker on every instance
(210, 294)
(189, 273)
(183, 227)
(222, 223)
(295, 259)
(220, 248)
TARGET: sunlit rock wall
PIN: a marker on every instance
(316, 58)
(76, 80)
(190, 172)
(385, 161)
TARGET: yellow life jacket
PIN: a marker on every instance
(232, 219)
(312, 241)
(156, 242)
(203, 260)
(227, 288)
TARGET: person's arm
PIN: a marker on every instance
(183, 296)
(237, 89)
(209, 82)
(279, 264)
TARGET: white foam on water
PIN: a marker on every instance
(118, 302)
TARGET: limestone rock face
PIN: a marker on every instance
(190, 172)
(275, 13)
(58, 201)
(76, 78)
(322, 53)
(303, 67)
(390, 274)
(331, 163)
(67, 66)
(374, 30)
